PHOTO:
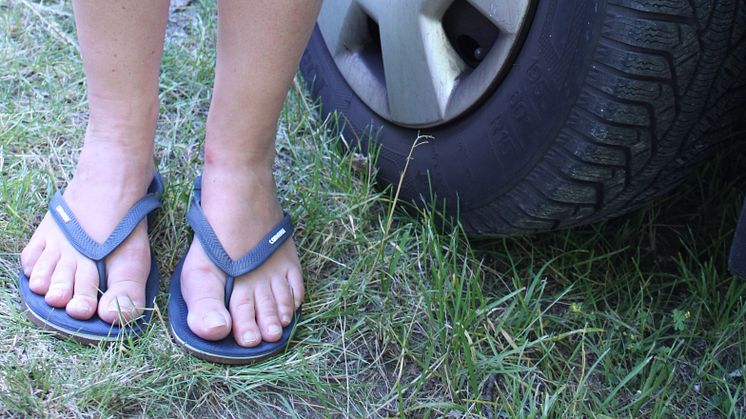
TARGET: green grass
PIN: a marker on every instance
(633, 317)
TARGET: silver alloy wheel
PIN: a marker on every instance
(421, 63)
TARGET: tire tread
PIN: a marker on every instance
(665, 83)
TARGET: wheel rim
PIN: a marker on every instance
(421, 63)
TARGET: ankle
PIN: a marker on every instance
(120, 133)
(238, 180)
(115, 160)
(114, 172)
(238, 157)
(115, 118)
(240, 139)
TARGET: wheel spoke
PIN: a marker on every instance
(374, 8)
(419, 64)
(337, 21)
(416, 76)
(507, 15)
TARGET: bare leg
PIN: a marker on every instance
(259, 47)
(121, 44)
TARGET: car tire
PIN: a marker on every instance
(607, 105)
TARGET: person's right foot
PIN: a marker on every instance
(114, 171)
(240, 202)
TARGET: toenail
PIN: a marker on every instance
(274, 329)
(214, 320)
(285, 318)
(81, 306)
(116, 305)
(55, 294)
(250, 337)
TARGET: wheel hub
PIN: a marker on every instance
(421, 63)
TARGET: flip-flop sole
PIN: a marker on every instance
(94, 330)
(225, 351)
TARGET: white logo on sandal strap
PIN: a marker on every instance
(277, 236)
(62, 213)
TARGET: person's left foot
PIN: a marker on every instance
(241, 205)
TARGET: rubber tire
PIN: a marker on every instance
(608, 105)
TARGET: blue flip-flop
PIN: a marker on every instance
(227, 350)
(95, 330)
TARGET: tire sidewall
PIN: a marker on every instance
(474, 160)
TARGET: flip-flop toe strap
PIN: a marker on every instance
(229, 281)
(101, 267)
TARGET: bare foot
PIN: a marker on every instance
(113, 173)
(241, 205)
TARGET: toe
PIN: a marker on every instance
(245, 330)
(124, 299)
(30, 254)
(266, 313)
(41, 274)
(203, 291)
(283, 297)
(208, 318)
(127, 273)
(295, 279)
(61, 285)
(85, 291)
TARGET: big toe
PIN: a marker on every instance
(209, 319)
(120, 305)
(124, 299)
(202, 288)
